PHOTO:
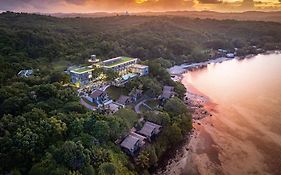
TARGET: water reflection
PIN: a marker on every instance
(247, 126)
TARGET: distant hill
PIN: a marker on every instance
(243, 16)
(27, 40)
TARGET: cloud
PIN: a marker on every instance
(210, 1)
(167, 4)
(26, 4)
(248, 4)
(130, 5)
(96, 5)
(77, 2)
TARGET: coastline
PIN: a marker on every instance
(179, 70)
(203, 109)
(200, 109)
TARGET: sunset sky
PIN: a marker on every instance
(88, 6)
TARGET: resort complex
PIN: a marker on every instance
(119, 64)
(92, 81)
(81, 76)
(125, 67)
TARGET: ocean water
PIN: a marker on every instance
(244, 134)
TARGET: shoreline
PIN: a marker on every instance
(179, 70)
(202, 109)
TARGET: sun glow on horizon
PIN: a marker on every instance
(88, 6)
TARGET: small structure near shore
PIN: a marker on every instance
(132, 143)
(168, 92)
(149, 130)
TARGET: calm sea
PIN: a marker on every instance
(245, 131)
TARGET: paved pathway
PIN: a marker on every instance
(147, 106)
(137, 107)
(105, 87)
(87, 105)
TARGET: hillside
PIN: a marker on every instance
(34, 40)
(242, 16)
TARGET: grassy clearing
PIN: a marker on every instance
(83, 70)
(60, 65)
(115, 92)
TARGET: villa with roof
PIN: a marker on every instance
(149, 130)
(99, 98)
(136, 140)
(132, 143)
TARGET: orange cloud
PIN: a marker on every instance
(87, 6)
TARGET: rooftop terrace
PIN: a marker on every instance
(117, 61)
(82, 70)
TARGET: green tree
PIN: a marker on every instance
(88, 170)
(161, 118)
(111, 75)
(152, 85)
(173, 135)
(72, 155)
(174, 106)
(101, 131)
(107, 169)
(180, 90)
(99, 156)
(142, 160)
(153, 159)
(128, 116)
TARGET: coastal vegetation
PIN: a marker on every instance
(44, 130)
(53, 43)
(43, 127)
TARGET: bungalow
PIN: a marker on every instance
(131, 144)
(99, 98)
(168, 92)
(124, 100)
(149, 130)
